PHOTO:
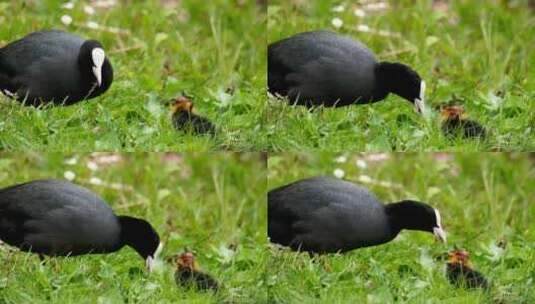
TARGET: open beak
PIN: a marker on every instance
(419, 103)
(97, 71)
(439, 234)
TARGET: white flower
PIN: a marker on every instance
(340, 159)
(68, 5)
(339, 173)
(363, 28)
(365, 179)
(95, 181)
(379, 6)
(66, 19)
(69, 175)
(361, 164)
(359, 13)
(89, 10)
(339, 8)
(71, 161)
(92, 25)
(92, 166)
(337, 22)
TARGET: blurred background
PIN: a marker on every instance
(211, 204)
(487, 205)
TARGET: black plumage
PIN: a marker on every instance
(54, 66)
(185, 119)
(325, 215)
(58, 218)
(188, 274)
(324, 68)
(461, 274)
(454, 126)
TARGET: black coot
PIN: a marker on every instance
(58, 218)
(324, 68)
(324, 215)
(54, 66)
(185, 119)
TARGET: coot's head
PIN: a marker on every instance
(403, 81)
(141, 236)
(92, 57)
(413, 215)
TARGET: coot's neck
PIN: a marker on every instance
(408, 215)
(86, 64)
(398, 79)
(139, 235)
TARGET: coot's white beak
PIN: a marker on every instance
(150, 262)
(439, 233)
(98, 75)
(98, 56)
(419, 103)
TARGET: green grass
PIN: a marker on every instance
(484, 199)
(212, 204)
(477, 51)
(212, 50)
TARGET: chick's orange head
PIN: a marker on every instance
(182, 104)
(452, 112)
(459, 257)
(187, 260)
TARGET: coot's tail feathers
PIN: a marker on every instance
(276, 84)
(6, 86)
(6, 74)
(283, 81)
(280, 220)
(280, 232)
(12, 227)
(6, 69)
(276, 76)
